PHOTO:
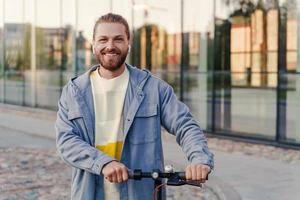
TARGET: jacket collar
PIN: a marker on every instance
(133, 98)
(136, 78)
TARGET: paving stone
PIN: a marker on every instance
(40, 174)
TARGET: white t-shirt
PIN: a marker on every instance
(109, 95)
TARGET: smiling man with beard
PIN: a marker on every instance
(111, 48)
(109, 120)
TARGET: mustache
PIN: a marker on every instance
(111, 50)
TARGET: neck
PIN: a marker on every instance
(107, 74)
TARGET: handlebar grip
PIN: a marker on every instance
(130, 174)
(181, 175)
(136, 174)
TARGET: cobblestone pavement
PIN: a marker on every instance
(27, 173)
(248, 149)
(38, 173)
(265, 151)
(30, 174)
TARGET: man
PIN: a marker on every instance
(109, 120)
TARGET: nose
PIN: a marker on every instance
(110, 44)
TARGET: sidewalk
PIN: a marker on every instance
(242, 170)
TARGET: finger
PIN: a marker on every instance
(194, 172)
(188, 174)
(206, 171)
(203, 176)
(199, 173)
(125, 173)
(114, 177)
(119, 174)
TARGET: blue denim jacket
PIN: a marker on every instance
(149, 103)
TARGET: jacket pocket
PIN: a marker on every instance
(149, 110)
(76, 117)
(144, 127)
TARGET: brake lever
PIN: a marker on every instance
(194, 183)
(176, 181)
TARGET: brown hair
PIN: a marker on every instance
(112, 18)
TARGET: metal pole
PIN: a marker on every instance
(61, 35)
(23, 52)
(182, 58)
(159, 193)
(157, 183)
(281, 93)
(132, 30)
(33, 59)
(3, 57)
(297, 77)
(213, 100)
(75, 54)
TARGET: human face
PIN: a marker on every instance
(111, 45)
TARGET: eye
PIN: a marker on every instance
(119, 39)
(102, 40)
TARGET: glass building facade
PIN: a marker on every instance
(235, 63)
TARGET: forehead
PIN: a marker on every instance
(110, 29)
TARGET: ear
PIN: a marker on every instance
(129, 47)
(93, 49)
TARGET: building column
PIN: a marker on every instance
(33, 83)
(297, 96)
(203, 69)
(281, 95)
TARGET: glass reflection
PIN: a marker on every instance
(263, 40)
(240, 55)
(49, 37)
(196, 38)
(68, 19)
(16, 33)
(293, 111)
(157, 37)
(28, 75)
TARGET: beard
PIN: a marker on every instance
(112, 63)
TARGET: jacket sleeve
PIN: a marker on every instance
(71, 147)
(177, 120)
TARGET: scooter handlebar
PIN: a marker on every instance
(138, 174)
